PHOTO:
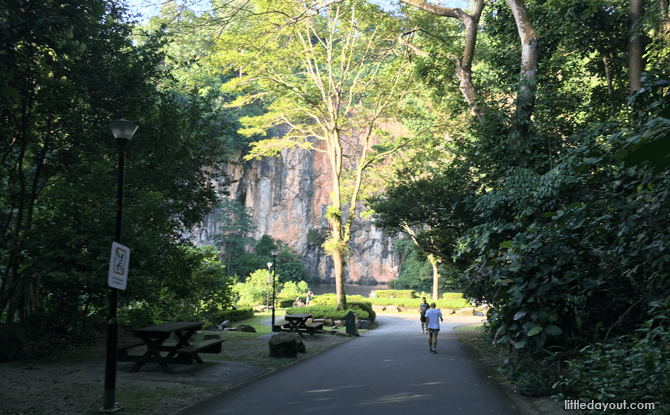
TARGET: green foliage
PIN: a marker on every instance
(293, 290)
(69, 70)
(451, 304)
(285, 302)
(290, 266)
(235, 225)
(634, 369)
(256, 289)
(395, 293)
(202, 292)
(235, 315)
(354, 303)
(581, 256)
(330, 312)
(531, 375)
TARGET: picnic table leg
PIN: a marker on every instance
(183, 340)
(153, 349)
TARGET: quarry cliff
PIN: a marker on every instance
(287, 198)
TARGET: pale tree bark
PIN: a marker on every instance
(525, 102)
(529, 40)
(463, 64)
(435, 263)
(434, 257)
(635, 45)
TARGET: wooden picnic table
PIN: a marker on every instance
(154, 337)
(297, 323)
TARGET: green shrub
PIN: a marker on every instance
(323, 311)
(331, 299)
(292, 289)
(285, 302)
(451, 303)
(396, 293)
(356, 302)
(632, 370)
(532, 376)
(256, 289)
(235, 315)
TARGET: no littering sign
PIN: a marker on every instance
(118, 266)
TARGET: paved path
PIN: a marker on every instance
(387, 371)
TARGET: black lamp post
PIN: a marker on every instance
(123, 131)
(274, 277)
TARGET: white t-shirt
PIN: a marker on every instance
(433, 318)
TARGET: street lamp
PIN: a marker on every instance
(123, 131)
(274, 275)
(267, 296)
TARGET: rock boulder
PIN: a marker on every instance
(363, 324)
(286, 345)
(246, 328)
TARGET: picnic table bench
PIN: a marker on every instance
(154, 337)
(297, 323)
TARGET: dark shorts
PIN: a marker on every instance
(435, 331)
(423, 319)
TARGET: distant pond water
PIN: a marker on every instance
(363, 290)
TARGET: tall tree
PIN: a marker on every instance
(67, 70)
(529, 41)
(333, 74)
(235, 224)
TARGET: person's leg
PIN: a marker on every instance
(430, 340)
(433, 335)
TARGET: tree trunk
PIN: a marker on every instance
(339, 280)
(463, 65)
(610, 87)
(635, 45)
(434, 262)
(527, 83)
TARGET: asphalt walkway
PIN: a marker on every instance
(387, 371)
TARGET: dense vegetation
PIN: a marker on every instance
(520, 146)
(67, 69)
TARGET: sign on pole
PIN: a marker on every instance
(118, 266)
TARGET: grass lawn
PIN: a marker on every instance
(251, 349)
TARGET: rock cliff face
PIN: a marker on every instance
(288, 196)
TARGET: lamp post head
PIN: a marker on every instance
(274, 252)
(269, 265)
(123, 129)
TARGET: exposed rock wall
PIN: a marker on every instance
(288, 196)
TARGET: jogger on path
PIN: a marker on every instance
(433, 325)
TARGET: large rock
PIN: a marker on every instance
(363, 324)
(246, 328)
(287, 197)
(286, 345)
(12, 340)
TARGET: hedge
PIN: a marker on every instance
(236, 315)
(324, 311)
(285, 302)
(353, 301)
(395, 293)
(415, 302)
